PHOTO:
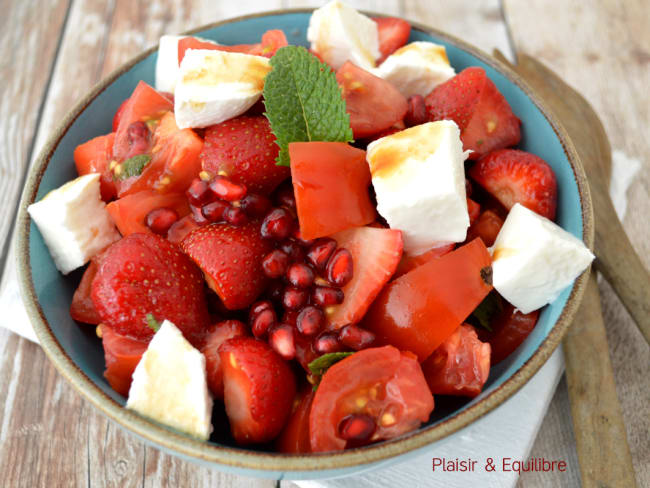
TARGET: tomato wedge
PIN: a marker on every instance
(382, 384)
(82, 308)
(410, 262)
(330, 182)
(95, 156)
(272, 40)
(374, 104)
(419, 310)
(130, 212)
(460, 365)
(122, 354)
(118, 115)
(393, 34)
(294, 438)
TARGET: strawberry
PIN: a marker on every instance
(244, 150)
(259, 389)
(82, 308)
(231, 260)
(483, 115)
(145, 274)
(375, 254)
(393, 34)
(217, 335)
(513, 176)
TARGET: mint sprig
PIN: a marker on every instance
(303, 101)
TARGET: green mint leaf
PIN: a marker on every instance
(321, 364)
(152, 323)
(303, 101)
(133, 166)
(487, 310)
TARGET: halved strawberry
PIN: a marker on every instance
(217, 335)
(259, 389)
(393, 34)
(82, 308)
(231, 260)
(145, 274)
(483, 115)
(513, 176)
(244, 150)
(376, 254)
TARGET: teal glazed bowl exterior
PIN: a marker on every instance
(77, 352)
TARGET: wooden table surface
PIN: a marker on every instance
(55, 50)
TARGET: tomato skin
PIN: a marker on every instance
(122, 354)
(95, 156)
(410, 262)
(443, 292)
(460, 365)
(82, 308)
(381, 382)
(330, 182)
(487, 227)
(272, 40)
(374, 104)
(294, 438)
(130, 212)
(217, 335)
(509, 330)
(118, 115)
(145, 103)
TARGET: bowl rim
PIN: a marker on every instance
(239, 458)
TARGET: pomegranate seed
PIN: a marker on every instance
(262, 321)
(285, 197)
(339, 267)
(199, 218)
(137, 136)
(294, 250)
(310, 320)
(355, 337)
(324, 296)
(214, 211)
(160, 220)
(276, 291)
(275, 263)
(300, 275)
(417, 111)
(226, 189)
(326, 343)
(356, 427)
(320, 251)
(199, 192)
(278, 224)
(282, 341)
(258, 307)
(235, 216)
(290, 317)
(294, 298)
(255, 205)
(303, 242)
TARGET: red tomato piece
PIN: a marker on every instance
(410, 262)
(294, 438)
(509, 330)
(381, 383)
(118, 115)
(130, 212)
(393, 34)
(122, 354)
(374, 104)
(487, 227)
(82, 308)
(473, 209)
(330, 181)
(460, 365)
(174, 161)
(217, 335)
(195, 43)
(95, 156)
(145, 104)
(419, 310)
(272, 40)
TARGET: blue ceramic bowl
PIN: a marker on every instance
(77, 353)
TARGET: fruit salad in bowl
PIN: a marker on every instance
(311, 246)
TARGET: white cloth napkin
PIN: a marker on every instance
(504, 432)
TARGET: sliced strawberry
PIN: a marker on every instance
(259, 389)
(409, 262)
(375, 254)
(513, 176)
(487, 227)
(82, 308)
(121, 355)
(145, 274)
(393, 34)
(483, 115)
(231, 260)
(217, 335)
(244, 150)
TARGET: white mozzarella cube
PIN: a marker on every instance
(417, 68)
(534, 259)
(215, 86)
(170, 384)
(419, 179)
(167, 68)
(338, 33)
(74, 222)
